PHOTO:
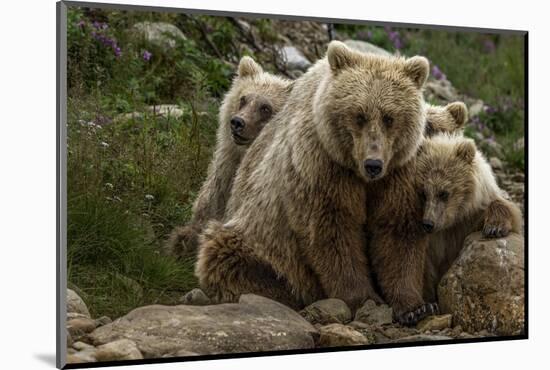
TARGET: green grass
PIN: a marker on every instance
(130, 181)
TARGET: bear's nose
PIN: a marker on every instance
(237, 124)
(428, 226)
(373, 167)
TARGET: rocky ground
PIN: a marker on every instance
(482, 295)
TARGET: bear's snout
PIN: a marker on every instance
(428, 226)
(237, 124)
(373, 167)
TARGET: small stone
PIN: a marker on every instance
(327, 311)
(335, 335)
(81, 346)
(457, 330)
(476, 108)
(103, 320)
(162, 34)
(294, 58)
(439, 322)
(359, 325)
(123, 349)
(496, 163)
(70, 339)
(81, 357)
(80, 326)
(76, 304)
(195, 297)
(372, 314)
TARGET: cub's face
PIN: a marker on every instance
(374, 104)
(255, 97)
(445, 180)
(448, 119)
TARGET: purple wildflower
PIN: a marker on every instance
(395, 38)
(81, 24)
(147, 55)
(96, 24)
(489, 46)
(369, 35)
(489, 109)
(437, 73)
(118, 52)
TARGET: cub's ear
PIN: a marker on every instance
(466, 150)
(248, 67)
(340, 56)
(417, 69)
(459, 112)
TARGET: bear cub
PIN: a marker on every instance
(460, 196)
(252, 101)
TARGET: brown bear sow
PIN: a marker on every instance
(397, 241)
(448, 119)
(460, 196)
(297, 208)
(253, 99)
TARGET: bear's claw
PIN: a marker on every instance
(412, 317)
(493, 231)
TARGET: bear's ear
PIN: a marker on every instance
(248, 67)
(466, 150)
(340, 56)
(417, 69)
(459, 112)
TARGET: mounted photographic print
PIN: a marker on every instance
(234, 185)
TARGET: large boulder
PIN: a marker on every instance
(162, 34)
(484, 288)
(327, 311)
(366, 47)
(254, 324)
(75, 304)
(294, 59)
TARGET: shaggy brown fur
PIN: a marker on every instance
(253, 99)
(460, 196)
(298, 200)
(397, 240)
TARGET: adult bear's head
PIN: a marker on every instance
(369, 109)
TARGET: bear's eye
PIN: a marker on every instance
(266, 110)
(387, 119)
(423, 196)
(443, 195)
(361, 119)
(242, 101)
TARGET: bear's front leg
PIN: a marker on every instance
(398, 261)
(337, 255)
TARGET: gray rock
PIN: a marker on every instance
(421, 338)
(161, 34)
(338, 335)
(254, 324)
(484, 288)
(80, 326)
(441, 89)
(81, 346)
(327, 311)
(75, 304)
(294, 58)
(103, 320)
(372, 314)
(366, 47)
(195, 297)
(476, 108)
(80, 357)
(122, 349)
(496, 163)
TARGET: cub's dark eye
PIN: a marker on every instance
(443, 195)
(388, 120)
(423, 196)
(242, 101)
(361, 119)
(266, 110)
